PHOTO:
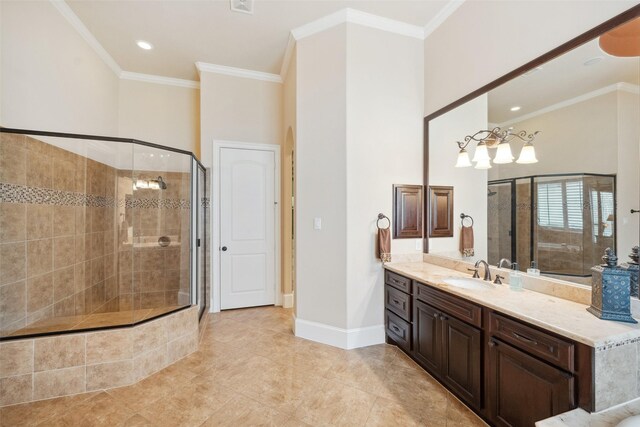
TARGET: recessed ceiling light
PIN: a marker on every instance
(144, 45)
(592, 61)
(516, 108)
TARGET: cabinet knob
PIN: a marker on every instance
(492, 343)
(444, 318)
(435, 315)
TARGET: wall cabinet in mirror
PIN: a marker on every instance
(407, 211)
(440, 211)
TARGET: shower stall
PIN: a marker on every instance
(562, 222)
(97, 232)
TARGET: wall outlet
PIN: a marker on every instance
(317, 223)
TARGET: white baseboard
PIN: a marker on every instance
(287, 300)
(338, 337)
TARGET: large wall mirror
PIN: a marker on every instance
(547, 162)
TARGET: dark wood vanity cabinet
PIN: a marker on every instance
(509, 372)
(523, 389)
(450, 349)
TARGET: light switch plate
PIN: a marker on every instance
(317, 223)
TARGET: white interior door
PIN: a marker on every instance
(247, 228)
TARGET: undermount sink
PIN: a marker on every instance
(462, 282)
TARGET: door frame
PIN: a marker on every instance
(216, 291)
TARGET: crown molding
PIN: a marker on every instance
(150, 78)
(385, 24)
(77, 24)
(354, 16)
(441, 16)
(237, 72)
(622, 86)
(288, 53)
(320, 24)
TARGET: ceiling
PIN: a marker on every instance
(561, 79)
(186, 31)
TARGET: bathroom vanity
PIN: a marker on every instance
(513, 357)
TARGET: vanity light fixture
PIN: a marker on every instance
(501, 139)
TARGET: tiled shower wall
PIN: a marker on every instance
(77, 239)
(57, 241)
(152, 276)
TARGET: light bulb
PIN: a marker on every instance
(483, 164)
(527, 155)
(463, 159)
(481, 153)
(503, 155)
(142, 184)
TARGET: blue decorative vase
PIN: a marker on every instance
(610, 291)
(634, 269)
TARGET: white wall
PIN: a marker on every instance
(359, 132)
(628, 191)
(238, 109)
(384, 147)
(462, 56)
(321, 174)
(51, 79)
(162, 114)
(469, 184)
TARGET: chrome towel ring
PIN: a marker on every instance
(465, 216)
(381, 217)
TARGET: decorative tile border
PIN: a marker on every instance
(12, 193)
(158, 203)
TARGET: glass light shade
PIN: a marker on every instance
(463, 159)
(481, 154)
(503, 155)
(527, 155)
(483, 164)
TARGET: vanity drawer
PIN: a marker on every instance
(462, 309)
(398, 330)
(397, 281)
(398, 302)
(533, 341)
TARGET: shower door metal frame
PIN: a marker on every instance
(512, 182)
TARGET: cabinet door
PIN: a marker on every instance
(523, 389)
(426, 336)
(462, 364)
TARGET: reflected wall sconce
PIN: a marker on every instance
(499, 139)
(153, 184)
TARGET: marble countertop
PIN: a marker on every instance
(566, 318)
(581, 418)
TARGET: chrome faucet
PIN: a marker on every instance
(487, 272)
(505, 261)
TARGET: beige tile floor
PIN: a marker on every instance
(251, 370)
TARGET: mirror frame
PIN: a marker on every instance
(583, 38)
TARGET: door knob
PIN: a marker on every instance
(224, 249)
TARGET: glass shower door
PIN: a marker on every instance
(500, 221)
